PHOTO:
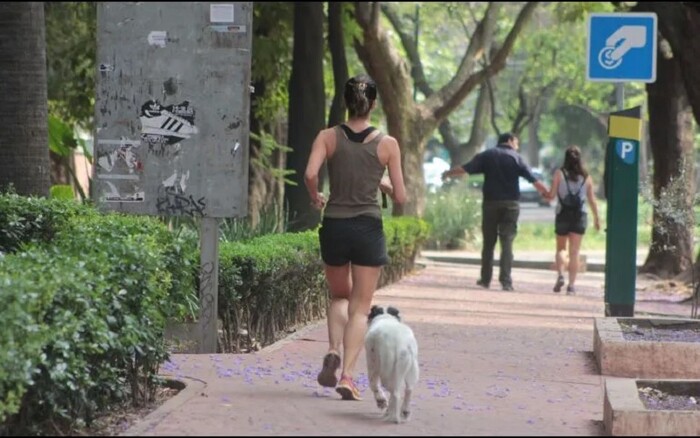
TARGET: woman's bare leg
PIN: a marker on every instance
(340, 286)
(364, 283)
(559, 256)
(574, 249)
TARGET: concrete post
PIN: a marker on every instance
(171, 111)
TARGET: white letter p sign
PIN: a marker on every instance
(627, 150)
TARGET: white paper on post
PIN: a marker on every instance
(221, 13)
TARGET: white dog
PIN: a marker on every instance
(392, 358)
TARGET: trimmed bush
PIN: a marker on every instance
(404, 238)
(454, 215)
(274, 282)
(84, 298)
(31, 219)
(83, 319)
(268, 285)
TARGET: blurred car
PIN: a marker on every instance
(528, 192)
(433, 170)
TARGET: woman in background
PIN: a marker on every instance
(573, 186)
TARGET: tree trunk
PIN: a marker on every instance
(411, 123)
(671, 133)
(59, 168)
(460, 153)
(679, 23)
(306, 108)
(336, 45)
(24, 144)
(533, 139)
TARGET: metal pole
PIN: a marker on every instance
(209, 286)
(416, 21)
(620, 95)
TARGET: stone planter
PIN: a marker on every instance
(624, 413)
(668, 354)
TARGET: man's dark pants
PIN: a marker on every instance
(499, 220)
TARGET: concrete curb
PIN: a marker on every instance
(527, 264)
(300, 333)
(193, 386)
(591, 266)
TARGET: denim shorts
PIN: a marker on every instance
(358, 240)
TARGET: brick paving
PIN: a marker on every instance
(492, 363)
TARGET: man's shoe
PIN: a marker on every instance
(508, 287)
(482, 283)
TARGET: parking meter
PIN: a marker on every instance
(622, 188)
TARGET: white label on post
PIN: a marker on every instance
(221, 13)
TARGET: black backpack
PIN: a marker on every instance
(571, 205)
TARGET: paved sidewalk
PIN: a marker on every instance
(492, 363)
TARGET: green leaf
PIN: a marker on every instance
(61, 140)
(62, 191)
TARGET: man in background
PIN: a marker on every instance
(501, 166)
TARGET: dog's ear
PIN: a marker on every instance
(393, 311)
(374, 312)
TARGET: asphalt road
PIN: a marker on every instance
(531, 212)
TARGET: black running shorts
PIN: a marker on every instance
(564, 225)
(358, 240)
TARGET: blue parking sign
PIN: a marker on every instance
(621, 47)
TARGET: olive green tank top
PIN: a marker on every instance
(354, 172)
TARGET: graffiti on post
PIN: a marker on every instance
(206, 294)
(172, 199)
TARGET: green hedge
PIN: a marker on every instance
(404, 236)
(83, 318)
(84, 298)
(272, 283)
(30, 219)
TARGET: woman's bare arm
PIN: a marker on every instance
(590, 193)
(316, 159)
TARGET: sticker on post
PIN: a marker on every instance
(119, 157)
(232, 28)
(221, 13)
(119, 167)
(157, 38)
